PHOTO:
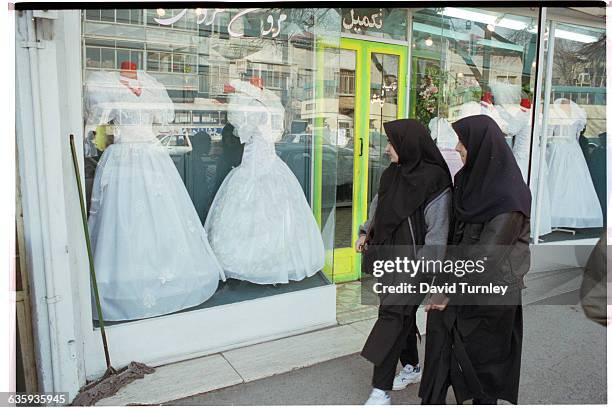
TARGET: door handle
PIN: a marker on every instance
(360, 146)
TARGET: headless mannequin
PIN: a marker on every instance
(565, 107)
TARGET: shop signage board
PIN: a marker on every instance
(270, 24)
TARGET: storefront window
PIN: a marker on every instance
(206, 119)
(572, 203)
(474, 61)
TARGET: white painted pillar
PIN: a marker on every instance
(38, 133)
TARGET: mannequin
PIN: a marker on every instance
(446, 140)
(522, 135)
(151, 253)
(129, 77)
(506, 96)
(260, 225)
(574, 202)
(486, 106)
(521, 151)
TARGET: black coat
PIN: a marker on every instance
(477, 348)
(396, 312)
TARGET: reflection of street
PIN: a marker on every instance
(344, 223)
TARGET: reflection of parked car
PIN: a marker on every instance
(295, 150)
(338, 161)
(176, 144)
(295, 138)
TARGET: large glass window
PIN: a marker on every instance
(470, 61)
(475, 61)
(227, 98)
(571, 169)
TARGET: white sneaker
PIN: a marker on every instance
(407, 375)
(378, 397)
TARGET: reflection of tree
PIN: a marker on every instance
(306, 19)
(572, 59)
(567, 63)
(595, 54)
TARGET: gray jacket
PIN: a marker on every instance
(437, 220)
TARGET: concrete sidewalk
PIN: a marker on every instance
(323, 366)
(564, 362)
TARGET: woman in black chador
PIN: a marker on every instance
(474, 342)
(412, 209)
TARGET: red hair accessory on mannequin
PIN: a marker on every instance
(257, 81)
(128, 69)
(128, 65)
(525, 103)
(487, 97)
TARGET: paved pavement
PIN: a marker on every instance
(564, 362)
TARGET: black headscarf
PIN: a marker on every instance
(490, 183)
(420, 174)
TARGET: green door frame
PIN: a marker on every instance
(344, 264)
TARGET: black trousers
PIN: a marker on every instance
(484, 401)
(404, 350)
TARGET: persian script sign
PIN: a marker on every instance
(269, 26)
(354, 21)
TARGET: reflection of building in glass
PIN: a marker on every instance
(196, 62)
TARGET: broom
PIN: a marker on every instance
(112, 380)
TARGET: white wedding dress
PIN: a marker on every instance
(483, 108)
(543, 207)
(521, 130)
(151, 253)
(446, 140)
(260, 225)
(573, 200)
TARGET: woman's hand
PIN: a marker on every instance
(436, 302)
(360, 243)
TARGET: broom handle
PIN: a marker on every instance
(92, 270)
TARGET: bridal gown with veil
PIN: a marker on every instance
(260, 225)
(151, 253)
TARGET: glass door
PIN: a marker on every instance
(371, 91)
